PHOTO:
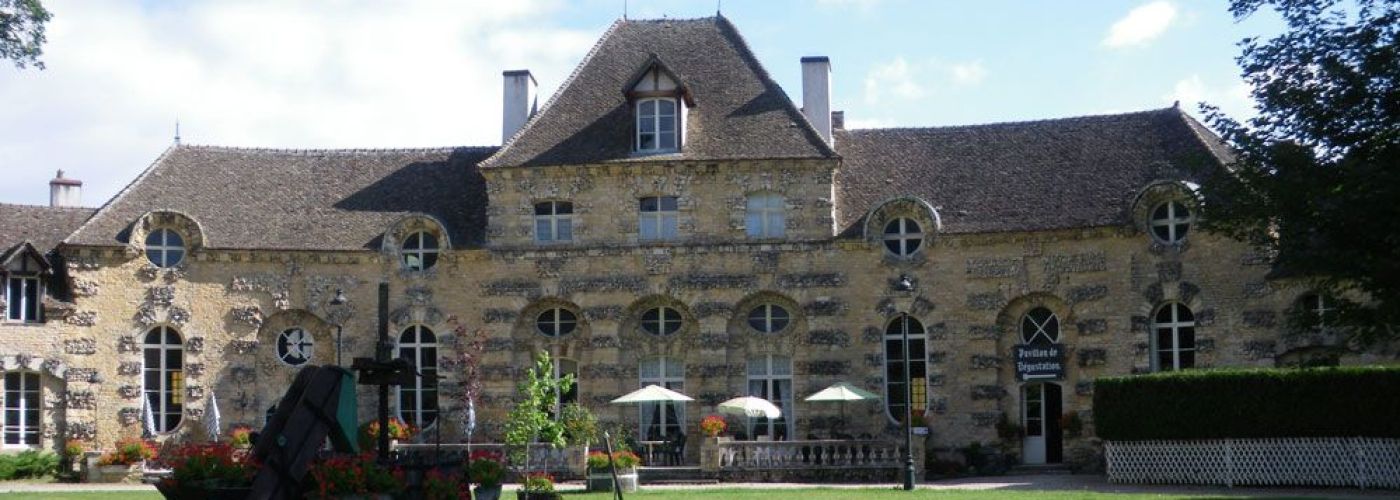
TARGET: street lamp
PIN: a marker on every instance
(338, 300)
(904, 284)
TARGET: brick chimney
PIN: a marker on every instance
(519, 101)
(65, 192)
(816, 94)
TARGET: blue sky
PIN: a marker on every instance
(268, 73)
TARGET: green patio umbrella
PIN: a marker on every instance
(842, 392)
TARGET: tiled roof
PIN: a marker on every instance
(42, 226)
(739, 111)
(301, 199)
(1050, 174)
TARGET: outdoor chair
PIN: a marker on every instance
(675, 449)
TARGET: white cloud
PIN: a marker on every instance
(893, 78)
(1141, 25)
(968, 73)
(1232, 98)
(264, 73)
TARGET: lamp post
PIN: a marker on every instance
(338, 300)
(906, 285)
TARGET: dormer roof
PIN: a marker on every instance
(739, 111)
(653, 67)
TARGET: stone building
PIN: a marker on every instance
(669, 216)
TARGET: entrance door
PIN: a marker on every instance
(1040, 415)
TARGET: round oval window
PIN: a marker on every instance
(294, 346)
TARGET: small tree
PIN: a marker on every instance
(22, 31)
(531, 420)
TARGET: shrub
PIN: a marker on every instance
(538, 483)
(211, 464)
(580, 426)
(27, 464)
(74, 448)
(598, 461)
(441, 486)
(369, 432)
(713, 425)
(1258, 403)
(486, 468)
(340, 476)
(129, 451)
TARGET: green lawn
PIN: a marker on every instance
(725, 494)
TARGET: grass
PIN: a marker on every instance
(725, 494)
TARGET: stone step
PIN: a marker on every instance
(1040, 470)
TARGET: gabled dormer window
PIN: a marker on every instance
(656, 125)
(659, 102)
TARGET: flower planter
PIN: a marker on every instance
(492, 492)
(602, 480)
(118, 473)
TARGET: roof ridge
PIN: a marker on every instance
(50, 207)
(1013, 122)
(563, 87)
(730, 31)
(673, 19)
(125, 190)
(247, 149)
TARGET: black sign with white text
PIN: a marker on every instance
(1040, 362)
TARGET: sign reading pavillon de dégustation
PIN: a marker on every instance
(1040, 361)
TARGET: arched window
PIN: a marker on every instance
(661, 321)
(903, 237)
(1170, 221)
(165, 248)
(554, 221)
(294, 346)
(656, 125)
(420, 251)
(662, 419)
(22, 405)
(764, 216)
(769, 318)
(418, 401)
(164, 377)
(1173, 337)
(1040, 326)
(895, 377)
(556, 322)
(770, 378)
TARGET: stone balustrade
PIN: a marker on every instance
(856, 453)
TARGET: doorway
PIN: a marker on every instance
(1041, 405)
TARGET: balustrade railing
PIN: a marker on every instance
(857, 453)
(543, 457)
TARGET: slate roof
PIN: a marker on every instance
(301, 199)
(739, 111)
(42, 226)
(1037, 175)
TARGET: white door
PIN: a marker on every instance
(1033, 420)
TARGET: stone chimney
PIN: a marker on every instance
(816, 94)
(65, 192)
(519, 102)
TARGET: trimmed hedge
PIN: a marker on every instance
(1260, 403)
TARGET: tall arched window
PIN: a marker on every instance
(663, 418)
(770, 378)
(895, 377)
(763, 217)
(164, 377)
(418, 401)
(22, 404)
(1173, 337)
(420, 251)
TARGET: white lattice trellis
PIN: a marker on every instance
(1359, 462)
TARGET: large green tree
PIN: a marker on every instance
(22, 31)
(1316, 181)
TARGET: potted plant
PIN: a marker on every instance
(348, 477)
(208, 471)
(398, 431)
(486, 469)
(713, 426)
(538, 486)
(600, 474)
(125, 462)
(240, 436)
(530, 421)
(438, 485)
(73, 451)
(580, 431)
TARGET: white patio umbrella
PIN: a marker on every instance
(652, 394)
(752, 407)
(842, 392)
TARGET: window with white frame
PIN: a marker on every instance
(769, 318)
(770, 378)
(764, 216)
(667, 418)
(1170, 221)
(165, 248)
(657, 218)
(24, 295)
(554, 221)
(22, 405)
(418, 401)
(164, 367)
(1040, 326)
(1173, 337)
(420, 251)
(895, 376)
(661, 321)
(556, 322)
(656, 125)
(903, 237)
